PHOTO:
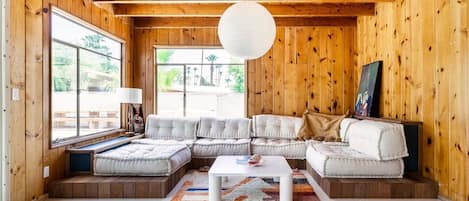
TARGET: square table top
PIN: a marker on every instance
(275, 166)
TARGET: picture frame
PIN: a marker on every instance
(368, 94)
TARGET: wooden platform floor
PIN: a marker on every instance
(88, 186)
(159, 187)
(408, 187)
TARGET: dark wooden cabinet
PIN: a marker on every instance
(80, 160)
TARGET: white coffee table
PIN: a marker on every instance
(273, 166)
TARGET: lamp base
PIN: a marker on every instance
(135, 120)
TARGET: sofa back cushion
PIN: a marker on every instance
(171, 128)
(237, 128)
(344, 126)
(380, 140)
(276, 126)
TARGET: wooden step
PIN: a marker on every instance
(89, 186)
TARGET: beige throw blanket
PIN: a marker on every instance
(320, 127)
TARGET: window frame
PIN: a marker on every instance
(184, 65)
(48, 77)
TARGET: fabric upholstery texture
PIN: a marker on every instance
(211, 148)
(321, 127)
(237, 128)
(381, 140)
(345, 162)
(288, 148)
(344, 126)
(142, 160)
(189, 143)
(276, 126)
(171, 128)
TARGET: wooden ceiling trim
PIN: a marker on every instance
(217, 9)
(189, 22)
(232, 1)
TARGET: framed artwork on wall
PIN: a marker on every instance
(367, 103)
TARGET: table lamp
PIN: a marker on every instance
(132, 97)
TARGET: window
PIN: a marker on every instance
(199, 82)
(85, 72)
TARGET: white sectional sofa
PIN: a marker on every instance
(370, 149)
(373, 154)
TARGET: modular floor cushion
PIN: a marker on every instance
(195, 188)
(343, 162)
(142, 160)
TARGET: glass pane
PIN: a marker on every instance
(71, 32)
(215, 90)
(195, 56)
(178, 56)
(170, 94)
(64, 91)
(99, 106)
(220, 56)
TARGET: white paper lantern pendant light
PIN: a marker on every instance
(247, 30)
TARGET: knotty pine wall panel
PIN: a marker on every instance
(307, 67)
(28, 58)
(424, 46)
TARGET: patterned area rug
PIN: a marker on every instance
(244, 189)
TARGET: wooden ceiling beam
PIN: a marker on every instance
(231, 1)
(217, 9)
(190, 22)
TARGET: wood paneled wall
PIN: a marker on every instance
(308, 67)
(424, 46)
(28, 61)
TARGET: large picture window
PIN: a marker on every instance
(85, 72)
(199, 82)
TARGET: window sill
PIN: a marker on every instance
(85, 138)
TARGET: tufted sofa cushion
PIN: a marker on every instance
(211, 148)
(237, 128)
(344, 126)
(288, 148)
(188, 143)
(142, 160)
(380, 140)
(341, 161)
(276, 126)
(171, 128)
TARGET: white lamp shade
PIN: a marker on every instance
(247, 30)
(129, 95)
